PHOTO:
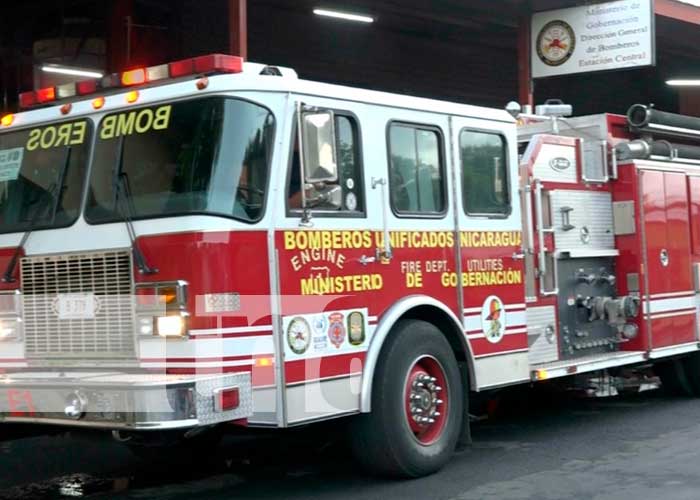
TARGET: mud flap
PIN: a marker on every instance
(465, 435)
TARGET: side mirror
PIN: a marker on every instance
(318, 147)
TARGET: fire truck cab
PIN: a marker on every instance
(216, 242)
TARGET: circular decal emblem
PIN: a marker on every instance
(356, 328)
(299, 335)
(336, 330)
(556, 43)
(560, 164)
(493, 319)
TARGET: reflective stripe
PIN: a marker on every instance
(669, 305)
(687, 312)
(670, 295)
(515, 331)
(473, 324)
(241, 330)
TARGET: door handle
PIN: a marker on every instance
(380, 256)
(365, 261)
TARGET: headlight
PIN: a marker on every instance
(10, 329)
(162, 309)
(172, 326)
(10, 316)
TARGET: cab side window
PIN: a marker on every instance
(484, 174)
(416, 168)
(350, 178)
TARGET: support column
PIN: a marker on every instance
(525, 85)
(119, 43)
(238, 27)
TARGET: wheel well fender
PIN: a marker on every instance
(422, 308)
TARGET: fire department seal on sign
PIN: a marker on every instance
(556, 43)
(493, 319)
(336, 330)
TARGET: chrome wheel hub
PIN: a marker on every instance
(425, 402)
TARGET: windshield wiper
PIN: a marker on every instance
(56, 194)
(122, 200)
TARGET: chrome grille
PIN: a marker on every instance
(109, 333)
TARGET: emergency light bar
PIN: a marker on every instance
(204, 65)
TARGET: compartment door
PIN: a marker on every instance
(669, 305)
(491, 243)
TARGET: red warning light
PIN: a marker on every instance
(46, 95)
(86, 87)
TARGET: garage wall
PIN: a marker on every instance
(446, 61)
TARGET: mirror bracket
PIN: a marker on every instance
(307, 218)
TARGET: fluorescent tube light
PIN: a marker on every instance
(343, 15)
(64, 70)
(683, 83)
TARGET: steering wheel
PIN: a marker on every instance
(250, 205)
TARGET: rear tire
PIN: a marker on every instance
(674, 379)
(417, 405)
(691, 366)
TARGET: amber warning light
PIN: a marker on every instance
(7, 120)
(196, 67)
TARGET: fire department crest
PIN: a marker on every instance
(356, 328)
(336, 330)
(299, 336)
(556, 43)
(493, 319)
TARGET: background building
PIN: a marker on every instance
(474, 51)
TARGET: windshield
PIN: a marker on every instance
(206, 156)
(42, 171)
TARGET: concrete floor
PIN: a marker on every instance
(640, 447)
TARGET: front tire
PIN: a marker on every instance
(417, 405)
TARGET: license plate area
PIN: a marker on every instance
(76, 306)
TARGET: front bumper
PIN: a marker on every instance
(121, 401)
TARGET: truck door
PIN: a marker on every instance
(669, 305)
(492, 260)
(327, 263)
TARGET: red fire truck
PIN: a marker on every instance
(215, 242)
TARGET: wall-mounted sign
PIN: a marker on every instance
(604, 36)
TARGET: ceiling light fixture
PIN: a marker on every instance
(65, 70)
(683, 83)
(344, 15)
